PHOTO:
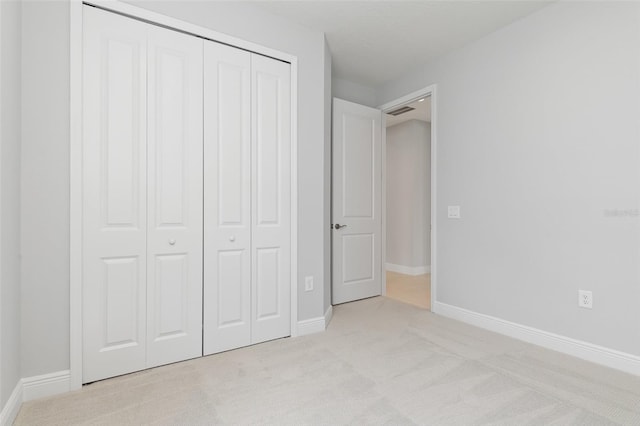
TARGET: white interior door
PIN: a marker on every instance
(271, 199)
(174, 239)
(357, 180)
(227, 198)
(114, 195)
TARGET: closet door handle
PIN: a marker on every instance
(232, 238)
(172, 242)
(338, 226)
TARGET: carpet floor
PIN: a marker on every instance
(379, 362)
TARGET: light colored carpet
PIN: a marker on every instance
(380, 362)
(412, 289)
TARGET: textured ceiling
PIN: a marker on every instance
(373, 42)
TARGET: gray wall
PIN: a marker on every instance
(9, 198)
(409, 194)
(45, 162)
(45, 187)
(354, 92)
(537, 139)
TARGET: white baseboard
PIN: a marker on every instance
(327, 316)
(45, 385)
(588, 351)
(408, 270)
(315, 325)
(310, 326)
(12, 407)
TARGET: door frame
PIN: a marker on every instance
(403, 100)
(75, 155)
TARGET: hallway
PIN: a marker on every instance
(412, 289)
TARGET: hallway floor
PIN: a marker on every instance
(412, 289)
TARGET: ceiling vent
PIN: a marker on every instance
(400, 110)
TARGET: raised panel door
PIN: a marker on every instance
(175, 191)
(357, 261)
(271, 199)
(114, 195)
(227, 198)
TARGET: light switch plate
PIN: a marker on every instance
(308, 283)
(453, 212)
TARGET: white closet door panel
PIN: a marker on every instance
(227, 198)
(174, 287)
(114, 194)
(271, 199)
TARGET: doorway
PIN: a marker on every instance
(359, 199)
(409, 197)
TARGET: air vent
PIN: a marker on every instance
(400, 110)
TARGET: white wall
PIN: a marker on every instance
(45, 162)
(409, 194)
(538, 137)
(10, 36)
(354, 92)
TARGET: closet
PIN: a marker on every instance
(186, 196)
(247, 198)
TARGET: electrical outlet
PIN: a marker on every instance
(308, 283)
(585, 299)
(453, 212)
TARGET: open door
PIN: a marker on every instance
(357, 193)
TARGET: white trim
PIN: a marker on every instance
(311, 326)
(294, 196)
(413, 96)
(408, 270)
(76, 156)
(407, 99)
(434, 191)
(588, 351)
(30, 388)
(2, 423)
(383, 207)
(315, 325)
(37, 387)
(186, 27)
(328, 316)
(12, 407)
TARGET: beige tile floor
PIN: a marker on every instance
(412, 289)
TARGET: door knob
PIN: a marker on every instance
(338, 226)
(172, 242)
(232, 238)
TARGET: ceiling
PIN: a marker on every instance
(373, 42)
(422, 112)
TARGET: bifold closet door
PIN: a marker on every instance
(114, 195)
(271, 199)
(142, 195)
(174, 164)
(227, 155)
(247, 282)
